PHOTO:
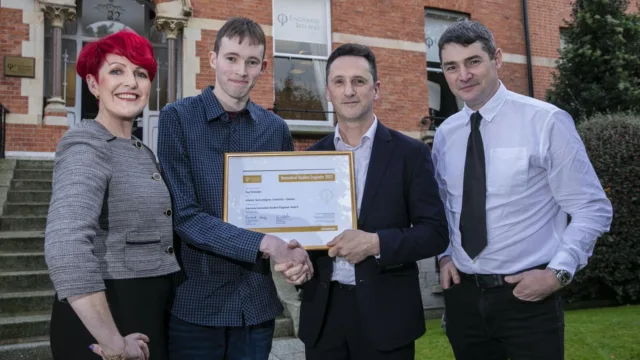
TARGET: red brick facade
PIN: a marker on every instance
(12, 33)
(402, 72)
(40, 138)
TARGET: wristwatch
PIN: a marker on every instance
(563, 276)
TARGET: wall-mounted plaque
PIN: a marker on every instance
(19, 66)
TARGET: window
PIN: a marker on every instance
(442, 102)
(302, 43)
(563, 37)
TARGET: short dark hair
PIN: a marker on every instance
(242, 28)
(354, 50)
(467, 32)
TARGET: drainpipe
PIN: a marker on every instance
(527, 43)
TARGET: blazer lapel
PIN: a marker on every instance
(325, 144)
(380, 155)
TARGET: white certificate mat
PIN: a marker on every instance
(308, 196)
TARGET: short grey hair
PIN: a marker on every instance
(467, 32)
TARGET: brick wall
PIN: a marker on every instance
(12, 33)
(403, 77)
(21, 137)
(40, 138)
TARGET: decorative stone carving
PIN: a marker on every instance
(170, 26)
(58, 13)
(187, 9)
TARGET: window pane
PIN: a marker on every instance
(301, 27)
(68, 64)
(48, 67)
(100, 18)
(442, 102)
(299, 88)
(69, 56)
(158, 95)
(435, 23)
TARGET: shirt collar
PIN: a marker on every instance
(370, 134)
(491, 108)
(213, 109)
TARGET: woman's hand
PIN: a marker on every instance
(134, 347)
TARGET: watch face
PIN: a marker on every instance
(564, 277)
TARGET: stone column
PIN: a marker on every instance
(172, 28)
(57, 14)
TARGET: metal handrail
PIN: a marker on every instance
(3, 112)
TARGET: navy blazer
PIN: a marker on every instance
(401, 202)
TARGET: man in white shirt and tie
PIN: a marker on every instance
(510, 168)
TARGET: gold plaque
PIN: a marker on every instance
(19, 66)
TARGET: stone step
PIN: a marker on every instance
(7, 164)
(34, 280)
(284, 327)
(21, 241)
(26, 301)
(34, 164)
(22, 261)
(26, 208)
(18, 184)
(35, 348)
(22, 223)
(22, 196)
(32, 174)
(24, 325)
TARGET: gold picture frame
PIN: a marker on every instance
(228, 157)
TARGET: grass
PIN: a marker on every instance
(593, 334)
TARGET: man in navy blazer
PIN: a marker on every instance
(364, 301)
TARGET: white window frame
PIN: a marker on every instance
(329, 121)
(447, 14)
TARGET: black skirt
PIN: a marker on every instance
(137, 305)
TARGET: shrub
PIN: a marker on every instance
(613, 272)
(599, 67)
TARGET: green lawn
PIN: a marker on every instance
(594, 334)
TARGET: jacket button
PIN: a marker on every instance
(138, 144)
(168, 212)
(169, 250)
(156, 177)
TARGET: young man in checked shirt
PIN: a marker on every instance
(225, 299)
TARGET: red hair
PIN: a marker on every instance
(126, 43)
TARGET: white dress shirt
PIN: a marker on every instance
(537, 173)
(343, 271)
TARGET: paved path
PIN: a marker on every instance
(287, 349)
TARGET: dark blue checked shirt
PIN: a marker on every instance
(224, 281)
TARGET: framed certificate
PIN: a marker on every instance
(308, 196)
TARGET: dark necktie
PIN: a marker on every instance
(473, 216)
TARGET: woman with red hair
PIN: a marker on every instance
(109, 235)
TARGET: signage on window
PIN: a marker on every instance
(436, 22)
(300, 21)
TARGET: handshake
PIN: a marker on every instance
(293, 261)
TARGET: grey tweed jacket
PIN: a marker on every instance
(110, 213)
